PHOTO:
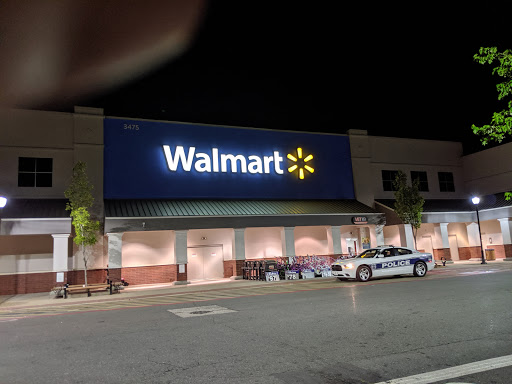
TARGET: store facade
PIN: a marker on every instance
(181, 202)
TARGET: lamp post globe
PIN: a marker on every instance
(476, 201)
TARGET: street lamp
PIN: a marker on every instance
(476, 201)
(3, 201)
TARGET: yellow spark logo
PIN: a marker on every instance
(301, 163)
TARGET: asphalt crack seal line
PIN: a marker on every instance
(454, 372)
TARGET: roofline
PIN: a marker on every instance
(259, 215)
(35, 218)
(225, 126)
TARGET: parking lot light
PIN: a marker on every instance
(476, 201)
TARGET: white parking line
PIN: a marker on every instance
(450, 373)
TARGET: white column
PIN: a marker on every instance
(506, 230)
(180, 246)
(288, 241)
(473, 235)
(60, 252)
(406, 237)
(379, 235)
(444, 235)
(336, 239)
(115, 247)
(239, 244)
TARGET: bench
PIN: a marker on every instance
(99, 287)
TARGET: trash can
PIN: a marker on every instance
(489, 254)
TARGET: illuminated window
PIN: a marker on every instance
(35, 172)
(446, 183)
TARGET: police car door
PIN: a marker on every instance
(405, 257)
(387, 263)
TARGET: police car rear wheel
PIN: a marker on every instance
(420, 269)
(363, 273)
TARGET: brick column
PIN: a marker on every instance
(473, 251)
(441, 232)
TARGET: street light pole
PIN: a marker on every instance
(3, 202)
(475, 201)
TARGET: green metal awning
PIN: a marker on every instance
(195, 208)
(154, 215)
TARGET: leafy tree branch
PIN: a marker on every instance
(501, 123)
(79, 194)
(408, 202)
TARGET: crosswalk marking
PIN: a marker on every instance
(453, 372)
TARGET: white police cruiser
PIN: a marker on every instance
(384, 261)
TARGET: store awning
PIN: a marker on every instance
(34, 209)
(460, 210)
(132, 215)
(34, 216)
(180, 208)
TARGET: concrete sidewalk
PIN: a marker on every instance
(45, 298)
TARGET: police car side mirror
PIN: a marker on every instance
(380, 255)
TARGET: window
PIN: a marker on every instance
(388, 252)
(387, 180)
(35, 172)
(368, 254)
(446, 182)
(423, 181)
(403, 251)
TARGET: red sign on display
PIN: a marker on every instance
(359, 220)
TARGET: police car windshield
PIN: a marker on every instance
(369, 253)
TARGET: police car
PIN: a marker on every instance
(384, 261)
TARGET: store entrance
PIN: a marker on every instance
(205, 263)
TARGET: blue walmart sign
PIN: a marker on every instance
(159, 160)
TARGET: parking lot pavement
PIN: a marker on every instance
(133, 292)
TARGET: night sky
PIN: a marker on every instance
(389, 69)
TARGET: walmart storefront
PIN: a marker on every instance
(186, 202)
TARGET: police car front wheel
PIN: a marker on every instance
(363, 273)
(420, 269)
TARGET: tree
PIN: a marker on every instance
(408, 202)
(501, 122)
(80, 200)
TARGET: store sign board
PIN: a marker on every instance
(359, 220)
(161, 160)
